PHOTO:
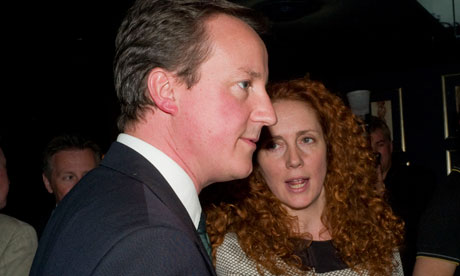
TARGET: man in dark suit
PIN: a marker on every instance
(66, 159)
(190, 77)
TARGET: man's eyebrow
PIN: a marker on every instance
(66, 172)
(253, 74)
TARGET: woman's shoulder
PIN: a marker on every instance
(231, 259)
(398, 270)
(230, 238)
(230, 246)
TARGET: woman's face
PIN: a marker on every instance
(293, 160)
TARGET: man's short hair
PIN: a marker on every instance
(67, 142)
(376, 123)
(169, 34)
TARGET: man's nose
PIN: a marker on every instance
(264, 111)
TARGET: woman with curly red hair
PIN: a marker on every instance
(312, 205)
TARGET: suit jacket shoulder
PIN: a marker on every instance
(121, 217)
(18, 243)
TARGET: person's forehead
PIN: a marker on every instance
(72, 161)
(230, 38)
(229, 29)
(71, 154)
(377, 135)
(217, 21)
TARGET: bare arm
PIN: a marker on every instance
(433, 267)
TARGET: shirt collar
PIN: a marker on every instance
(178, 179)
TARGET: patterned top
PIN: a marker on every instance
(232, 261)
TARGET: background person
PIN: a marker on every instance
(66, 159)
(408, 188)
(190, 77)
(438, 241)
(18, 240)
(312, 202)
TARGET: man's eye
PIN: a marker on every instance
(244, 84)
(68, 177)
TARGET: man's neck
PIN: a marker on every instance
(159, 136)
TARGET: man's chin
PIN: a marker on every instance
(244, 172)
(235, 172)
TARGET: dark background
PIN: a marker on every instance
(58, 73)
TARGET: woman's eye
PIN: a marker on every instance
(244, 84)
(271, 146)
(307, 140)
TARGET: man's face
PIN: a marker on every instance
(67, 168)
(220, 117)
(383, 146)
(4, 180)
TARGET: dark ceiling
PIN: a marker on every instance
(305, 35)
(337, 36)
(61, 67)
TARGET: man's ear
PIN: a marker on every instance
(47, 184)
(160, 88)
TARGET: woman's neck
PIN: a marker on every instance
(315, 228)
(309, 221)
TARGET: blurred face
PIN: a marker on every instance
(293, 162)
(4, 180)
(383, 146)
(67, 168)
(220, 117)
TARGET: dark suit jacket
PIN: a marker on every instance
(122, 218)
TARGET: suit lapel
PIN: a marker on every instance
(131, 163)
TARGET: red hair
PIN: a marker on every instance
(363, 228)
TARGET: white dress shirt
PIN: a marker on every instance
(178, 179)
